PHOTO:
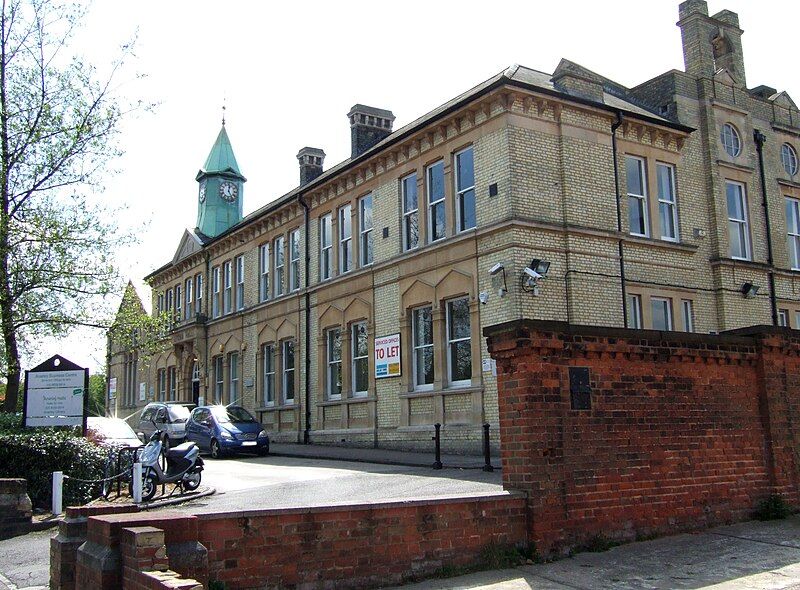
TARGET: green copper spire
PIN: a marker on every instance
(221, 185)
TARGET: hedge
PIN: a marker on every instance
(36, 453)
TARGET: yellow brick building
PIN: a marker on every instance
(673, 205)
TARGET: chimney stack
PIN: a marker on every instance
(311, 160)
(368, 126)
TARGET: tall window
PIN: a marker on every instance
(793, 229)
(178, 303)
(169, 302)
(279, 265)
(216, 292)
(173, 385)
(345, 240)
(408, 188)
(334, 361)
(688, 315)
(189, 291)
(637, 196)
(422, 338)
(239, 282)
(634, 311)
(219, 380)
(325, 246)
(465, 189)
(783, 318)
(459, 349)
(661, 309)
(738, 227)
(162, 385)
(667, 211)
(288, 371)
(263, 271)
(228, 294)
(198, 294)
(365, 230)
(268, 354)
(359, 370)
(437, 218)
(161, 303)
(233, 381)
(294, 260)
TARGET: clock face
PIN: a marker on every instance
(228, 191)
(203, 191)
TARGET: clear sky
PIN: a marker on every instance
(289, 72)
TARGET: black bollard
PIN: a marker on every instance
(487, 453)
(437, 464)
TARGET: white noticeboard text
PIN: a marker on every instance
(142, 391)
(55, 398)
(387, 356)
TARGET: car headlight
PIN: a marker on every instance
(262, 434)
(227, 435)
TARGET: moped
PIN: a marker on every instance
(183, 466)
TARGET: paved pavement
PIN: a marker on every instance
(746, 556)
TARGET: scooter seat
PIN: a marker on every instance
(180, 450)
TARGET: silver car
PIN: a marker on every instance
(168, 417)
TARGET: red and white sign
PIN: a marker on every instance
(387, 356)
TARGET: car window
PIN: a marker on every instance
(161, 416)
(232, 414)
(147, 414)
(178, 413)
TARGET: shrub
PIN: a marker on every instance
(772, 508)
(10, 422)
(36, 454)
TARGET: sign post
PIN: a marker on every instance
(387, 356)
(56, 394)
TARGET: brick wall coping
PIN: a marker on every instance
(504, 495)
(739, 337)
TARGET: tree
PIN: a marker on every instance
(97, 395)
(59, 130)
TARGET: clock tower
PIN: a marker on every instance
(219, 197)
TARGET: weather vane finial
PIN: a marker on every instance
(223, 112)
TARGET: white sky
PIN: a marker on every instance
(289, 72)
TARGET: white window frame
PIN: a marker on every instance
(239, 282)
(408, 214)
(263, 263)
(797, 320)
(783, 318)
(793, 231)
(188, 290)
(219, 380)
(279, 252)
(434, 204)
(789, 159)
(641, 200)
(161, 305)
(687, 309)
(366, 250)
(670, 203)
(233, 377)
(668, 306)
(169, 301)
(227, 296)
(162, 385)
(294, 260)
(345, 217)
(326, 247)
(287, 370)
(743, 225)
(178, 303)
(268, 373)
(355, 358)
(460, 193)
(331, 363)
(172, 385)
(634, 305)
(417, 349)
(198, 293)
(452, 341)
(731, 140)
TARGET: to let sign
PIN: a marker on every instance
(387, 356)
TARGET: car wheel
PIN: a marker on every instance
(216, 450)
(263, 451)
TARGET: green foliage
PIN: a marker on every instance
(97, 395)
(10, 423)
(35, 454)
(596, 544)
(772, 508)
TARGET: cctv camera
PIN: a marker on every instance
(483, 297)
(532, 274)
(496, 268)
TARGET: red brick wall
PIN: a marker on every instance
(684, 430)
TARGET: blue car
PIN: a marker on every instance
(226, 429)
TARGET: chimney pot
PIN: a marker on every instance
(368, 126)
(311, 160)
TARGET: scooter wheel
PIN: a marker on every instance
(149, 487)
(191, 481)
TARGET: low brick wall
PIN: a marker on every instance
(678, 431)
(15, 508)
(348, 547)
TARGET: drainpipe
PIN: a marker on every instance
(760, 138)
(620, 245)
(208, 399)
(307, 352)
